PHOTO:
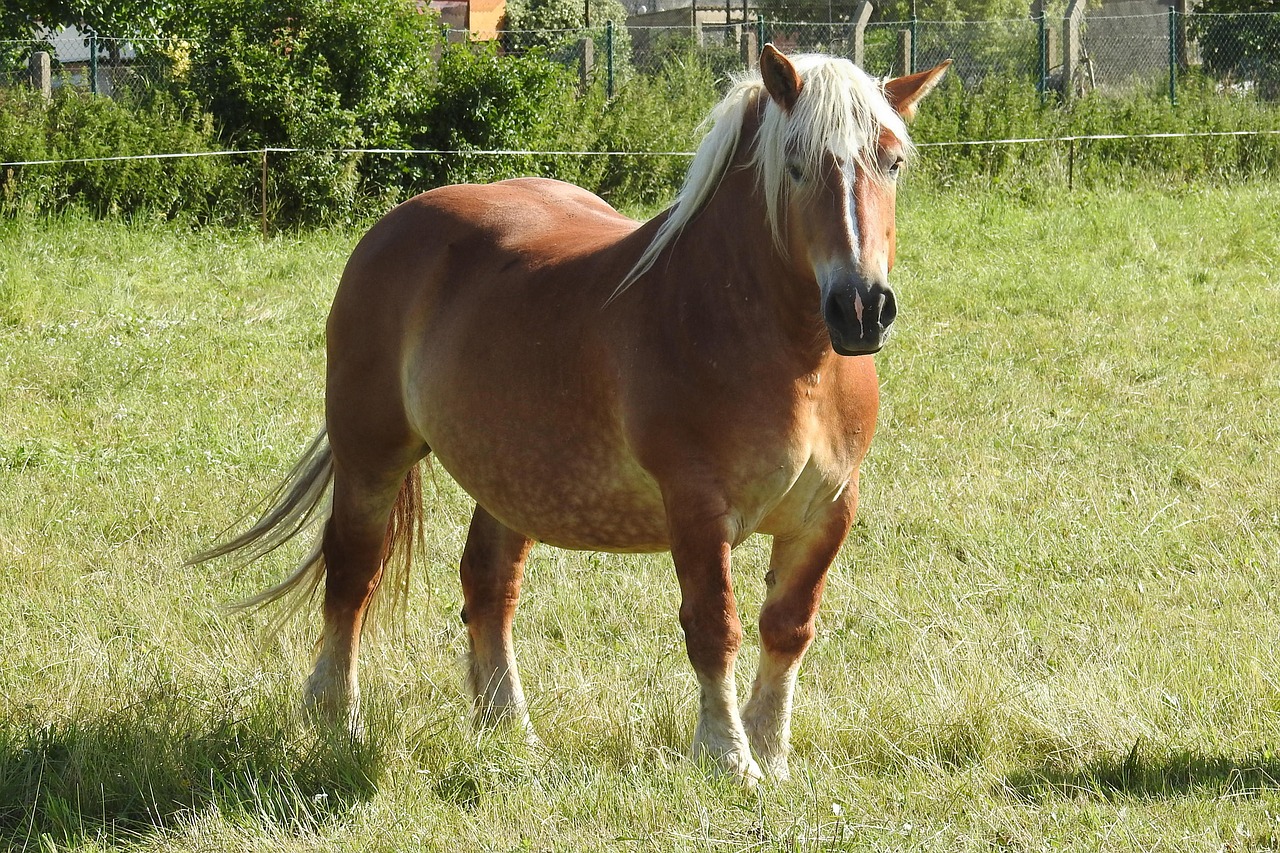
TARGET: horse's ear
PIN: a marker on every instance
(781, 80)
(905, 92)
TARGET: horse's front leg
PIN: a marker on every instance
(700, 545)
(797, 574)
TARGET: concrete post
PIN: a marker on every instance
(750, 48)
(861, 16)
(586, 60)
(1071, 47)
(903, 64)
(41, 73)
(1183, 8)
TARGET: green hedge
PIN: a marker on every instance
(1003, 111)
(469, 98)
(75, 125)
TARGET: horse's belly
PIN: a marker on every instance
(568, 494)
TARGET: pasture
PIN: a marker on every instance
(1052, 627)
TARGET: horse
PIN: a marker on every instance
(597, 383)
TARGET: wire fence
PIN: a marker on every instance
(1240, 52)
(196, 130)
(113, 67)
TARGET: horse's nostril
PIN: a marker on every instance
(889, 309)
(834, 311)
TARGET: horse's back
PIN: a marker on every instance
(481, 309)
(537, 219)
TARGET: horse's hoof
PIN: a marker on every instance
(746, 773)
(333, 714)
(735, 765)
(776, 769)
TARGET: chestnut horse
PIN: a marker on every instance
(597, 383)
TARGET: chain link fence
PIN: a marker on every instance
(124, 69)
(1238, 53)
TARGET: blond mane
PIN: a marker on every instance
(841, 109)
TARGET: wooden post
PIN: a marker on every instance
(264, 194)
(903, 65)
(41, 73)
(1071, 47)
(861, 16)
(750, 48)
(586, 60)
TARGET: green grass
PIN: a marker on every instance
(1053, 626)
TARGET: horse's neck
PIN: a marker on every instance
(726, 267)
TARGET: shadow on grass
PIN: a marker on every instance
(1142, 774)
(156, 765)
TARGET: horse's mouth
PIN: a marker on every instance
(851, 352)
(858, 344)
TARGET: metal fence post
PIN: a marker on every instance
(1173, 55)
(760, 39)
(41, 74)
(93, 63)
(860, 17)
(608, 49)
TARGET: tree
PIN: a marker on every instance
(115, 23)
(558, 25)
(1239, 44)
(119, 19)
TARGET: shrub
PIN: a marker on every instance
(320, 75)
(486, 101)
(1010, 110)
(78, 125)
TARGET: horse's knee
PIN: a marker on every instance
(786, 628)
(713, 634)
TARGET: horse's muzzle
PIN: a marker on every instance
(858, 317)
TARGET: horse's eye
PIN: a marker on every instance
(895, 168)
(795, 172)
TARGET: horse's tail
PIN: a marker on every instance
(303, 500)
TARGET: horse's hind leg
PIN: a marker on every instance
(797, 574)
(355, 545)
(492, 569)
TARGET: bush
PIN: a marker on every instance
(320, 75)
(1010, 110)
(78, 125)
(485, 101)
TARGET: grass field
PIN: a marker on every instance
(1053, 627)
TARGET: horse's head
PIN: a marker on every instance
(831, 144)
